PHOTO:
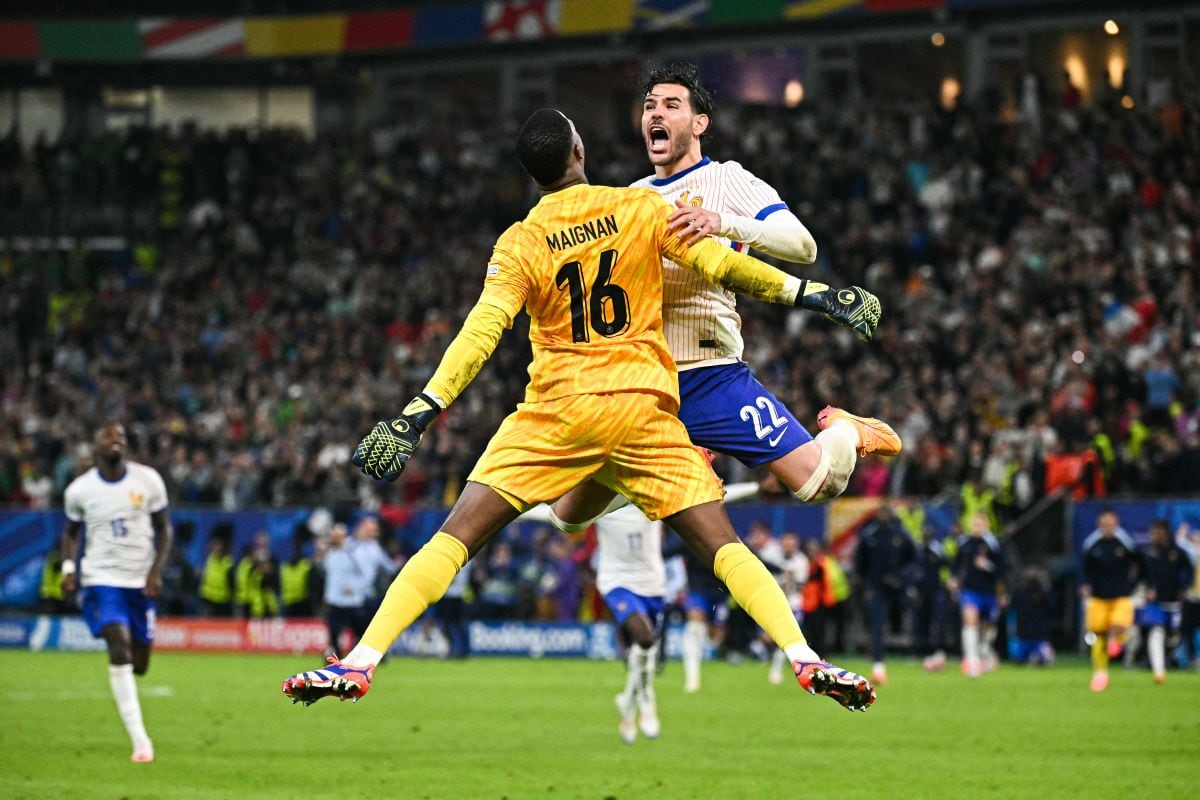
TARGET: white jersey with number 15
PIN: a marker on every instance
(118, 540)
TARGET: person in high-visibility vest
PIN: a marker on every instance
(50, 594)
(294, 583)
(976, 498)
(256, 580)
(216, 580)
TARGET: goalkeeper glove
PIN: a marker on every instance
(383, 453)
(854, 308)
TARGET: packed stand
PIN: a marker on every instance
(1038, 276)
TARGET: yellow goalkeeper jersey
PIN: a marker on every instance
(586, 264)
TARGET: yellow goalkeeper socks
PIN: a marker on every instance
(1100, 653)
(755, 590)
(421, 583)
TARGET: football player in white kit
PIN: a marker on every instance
(120, 507)
(631, 576)
(724, 406)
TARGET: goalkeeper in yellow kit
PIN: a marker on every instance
(586, 263)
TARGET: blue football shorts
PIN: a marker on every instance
(986, 604)
(624, 604)
(726, 409)
(715, 607)
(106, 605)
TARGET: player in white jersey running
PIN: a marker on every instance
(121, 508)
(631, 576)
(724, 406)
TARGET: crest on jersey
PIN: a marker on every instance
(137, 500)
(694, 202)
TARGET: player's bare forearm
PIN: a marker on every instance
(70, 554)
(384, 452)
(161, 523)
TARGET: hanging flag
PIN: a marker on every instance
(658, 15)
(381, 30)
(583, 17)
(449, 25)
(192, 38)
(812, 9)
(506, 20)
(744, 10)
(315, 34)
(18, 41)
(876, 6)
(90, 41)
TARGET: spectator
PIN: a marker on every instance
(1033, 610)
(256, 580)
(216, 580)
(880, 563)
(295, 580)
(346, 588)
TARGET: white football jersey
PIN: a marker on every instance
(792, 574)
(700, 319)
(118, 540)
(630, 553)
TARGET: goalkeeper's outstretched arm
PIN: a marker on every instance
(853, 308)
(384, 452)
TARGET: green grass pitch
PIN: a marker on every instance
(499, 728)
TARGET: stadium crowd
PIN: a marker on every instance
(1038, 270)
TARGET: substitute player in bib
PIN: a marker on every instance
(601, 401)
(121, 508)
(723, 405)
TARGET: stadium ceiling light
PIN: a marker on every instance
(1111, 27)
(937, 39)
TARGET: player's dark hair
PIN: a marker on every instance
(544, 145)
(685, 74)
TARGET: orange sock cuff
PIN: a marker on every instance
(421, 583)
(757, 591)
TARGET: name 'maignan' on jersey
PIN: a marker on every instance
(700, 320)
(586, 262)
(118, 539)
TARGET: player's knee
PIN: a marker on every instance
(829, 477)
(568, 527)
(645, 640)
(832, 486)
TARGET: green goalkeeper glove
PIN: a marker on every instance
(383, 453)
(854, 308)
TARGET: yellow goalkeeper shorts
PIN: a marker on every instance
(631, 442)
(1103, 615)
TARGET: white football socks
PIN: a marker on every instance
(801, 652)
(1157, 645)
(634, 661)
(363, 656)
(649, 672)
(695, 635)
(970, 642)
(124, 689)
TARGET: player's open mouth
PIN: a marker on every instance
(657, 138)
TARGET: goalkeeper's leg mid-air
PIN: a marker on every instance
(339, 680)
(849, 689)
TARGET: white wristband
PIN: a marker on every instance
(68, 567)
